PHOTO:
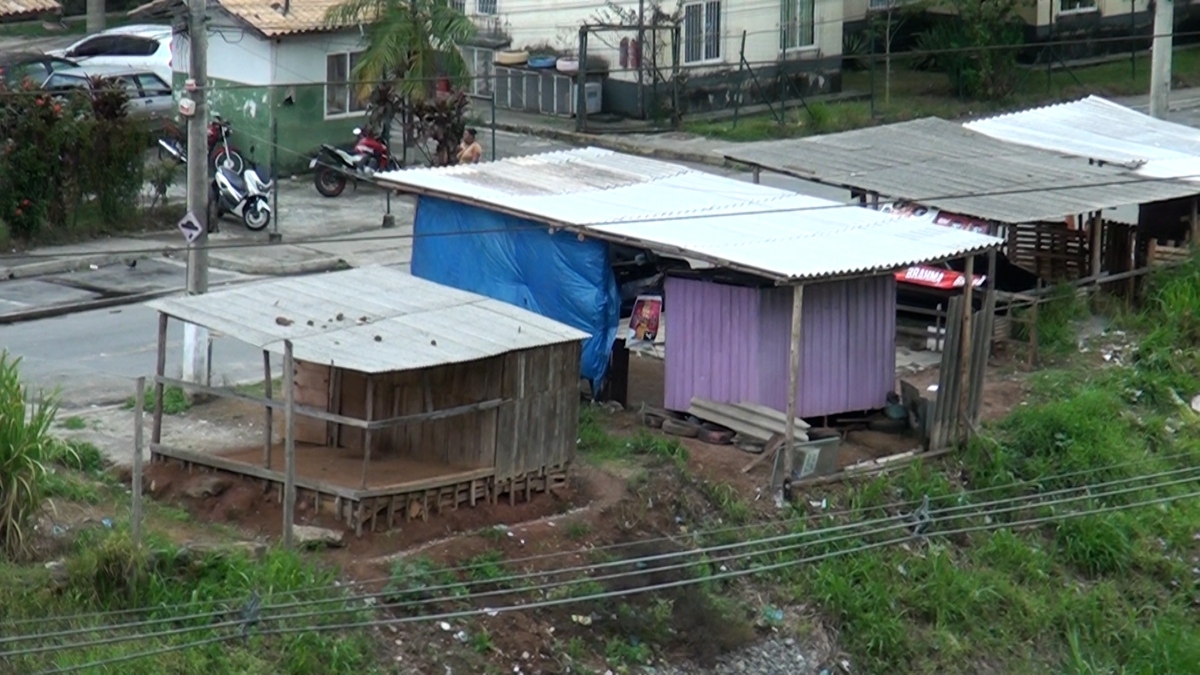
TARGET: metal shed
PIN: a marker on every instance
(724, 333)
(1040, 199)
(410, 395)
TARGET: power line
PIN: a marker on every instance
(695, 535)
(895, 522)
(716, 212)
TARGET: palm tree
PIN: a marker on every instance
(411, 44)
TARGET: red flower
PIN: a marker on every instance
(24, 202)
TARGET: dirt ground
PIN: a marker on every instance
(606, 504)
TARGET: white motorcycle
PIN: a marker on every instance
(244, 196)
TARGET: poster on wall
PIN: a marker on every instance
(939, 217)
(643, 324)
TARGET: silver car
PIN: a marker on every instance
(150, 98)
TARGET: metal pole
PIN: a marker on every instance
(1132, 40)
(289, 444)
(871, 32)
(676, 39)
(641, 78)
(1160, 58)
(275, 236)
(139, 422)
(581, 82)
(195, 339)
(493, 118)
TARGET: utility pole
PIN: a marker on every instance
(195, 338)
(1160, 58)
(95, 16)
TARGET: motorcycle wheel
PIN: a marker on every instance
(329, 182)
(256, 216)
(232, 160)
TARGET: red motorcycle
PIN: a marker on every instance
(334, 165)
(221, 153)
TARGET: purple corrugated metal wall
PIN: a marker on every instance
(712, 342)
(730, 344)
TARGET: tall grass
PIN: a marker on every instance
(26, 448)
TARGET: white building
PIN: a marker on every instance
(802, 38)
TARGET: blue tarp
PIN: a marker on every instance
(518, 261)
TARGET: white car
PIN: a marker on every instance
(144, 46)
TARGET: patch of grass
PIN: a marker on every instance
(82, 456)
(175, 401)
(104, 571)
(73, 487)
(482, 643)
(74, 423)
(578, 529)
(916, 93)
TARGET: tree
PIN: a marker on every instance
(410, 44)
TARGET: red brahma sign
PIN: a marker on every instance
(936, 277)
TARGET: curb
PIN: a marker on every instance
(274, 269)
(612, 143)
(102, 303)
(69, 262)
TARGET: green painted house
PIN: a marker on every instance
(276, 71)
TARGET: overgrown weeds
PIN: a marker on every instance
(175, 401)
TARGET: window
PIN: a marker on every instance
(702, 31)
(341, 96)
(485, 7)
(117, 45)
(797, 24)
(152, 85)
(1076, 5)
(459, 6)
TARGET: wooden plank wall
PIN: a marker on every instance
(538, 428)
(1049, 250)
(312, 389)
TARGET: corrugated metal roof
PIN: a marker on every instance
(685, 213)
(265, 16)
(335, 319)
(11, 9)
(939, 163)
(1099, 129)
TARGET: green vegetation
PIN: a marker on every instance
(175, 401)
(74, 423)
(924, 93)
(1109, 592)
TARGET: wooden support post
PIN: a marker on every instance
(289, 445)
(990, 300)
(757, 173)
(160, 369)
(367, 435)
(1194, 221)
(964, 353)
(139, 421)
(267, 431)
(1097, 243)
(789, 440)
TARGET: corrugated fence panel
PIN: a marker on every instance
(713, 342)
(849, 355)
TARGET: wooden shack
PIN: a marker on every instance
(407, 397)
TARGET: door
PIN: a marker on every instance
(159, 104)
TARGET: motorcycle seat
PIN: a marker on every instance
(234, 179)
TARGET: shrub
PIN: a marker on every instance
(26, 447)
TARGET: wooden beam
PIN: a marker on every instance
(367, 435)
(253, 470)
(289, 444)
(159, 369)
(1097, 241)
(965, 343)
(437, 414)
(789, 435)
(267, 431)
(139, 422)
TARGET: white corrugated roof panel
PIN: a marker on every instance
(1096, 128)
(680, 212)
(335, 318)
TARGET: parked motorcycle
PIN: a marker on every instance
(334, 165)
(244, 196)
(221, 152)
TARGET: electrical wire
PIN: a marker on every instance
(694, 535)
(895, 522)
(700, 215)
(607, 595)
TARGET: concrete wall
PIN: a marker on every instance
(254, 80)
